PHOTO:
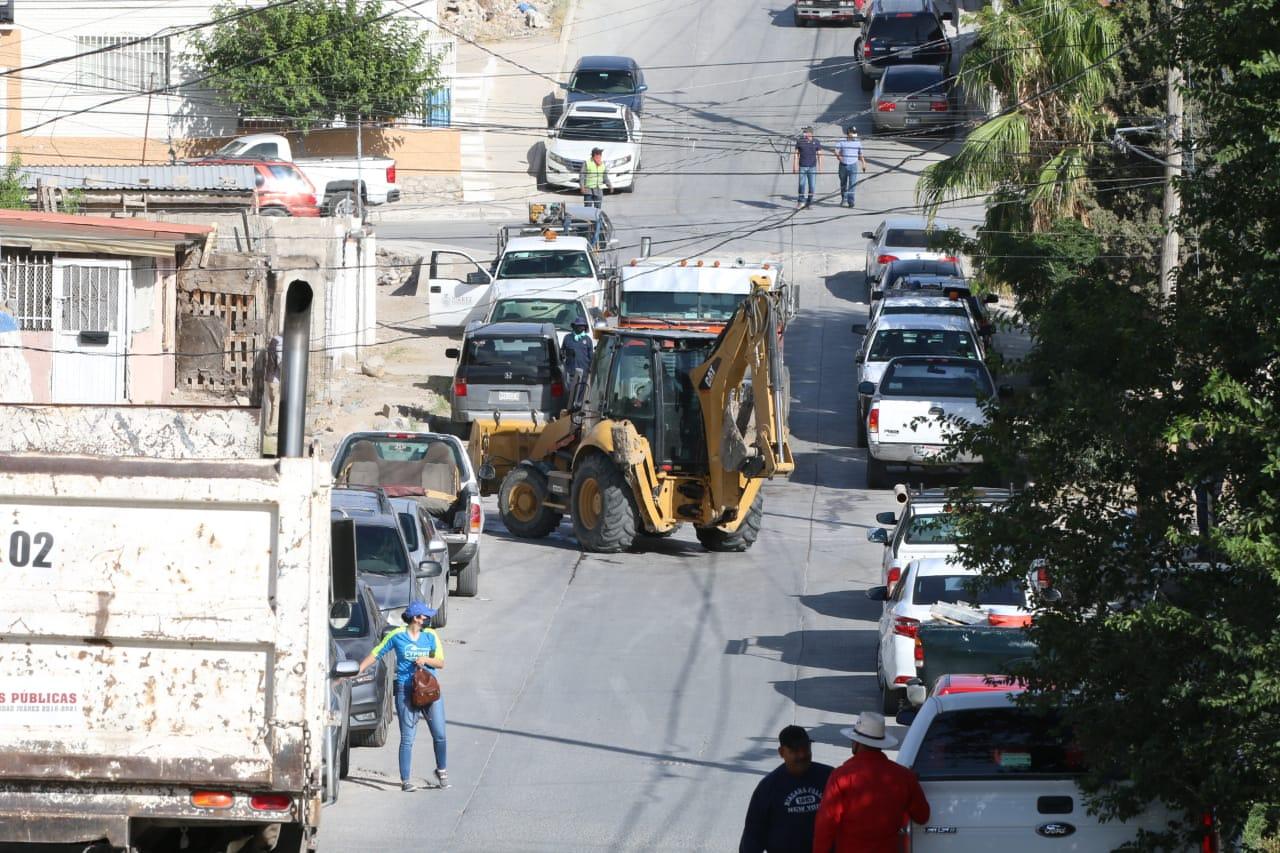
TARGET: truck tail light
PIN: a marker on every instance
(919, 653)
(938, 106)
(460, 388)
(212, 799)
(391, 173)
(557, 389)
(886, 106)
(1209, 842)
(905, 626)
(895, 572)
(873, 419)
(271, 802)
(866, 49)
(951, 258)
(886, 259)
(474, 519)
(1043, 581)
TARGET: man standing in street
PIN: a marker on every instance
(577, 351)
(594, 179)
(806, 161)
(780, 816)
(849, 154)
(869, 797)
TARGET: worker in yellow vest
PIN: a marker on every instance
(594, 179)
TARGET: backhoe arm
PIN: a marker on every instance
(742, 389)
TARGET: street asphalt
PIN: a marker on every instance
(632, 702)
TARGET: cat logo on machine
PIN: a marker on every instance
(1055, 830)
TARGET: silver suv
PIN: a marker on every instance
(511, 368)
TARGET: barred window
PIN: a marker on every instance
(26, 286)
(137, 67)
(92, 299)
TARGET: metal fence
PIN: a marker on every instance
(26, 286)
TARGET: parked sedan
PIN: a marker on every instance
(924, 584)
(372, 691)
(594, 124)
(912, 98)
(902, 237)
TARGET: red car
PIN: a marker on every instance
(282, 189)
(956, 683)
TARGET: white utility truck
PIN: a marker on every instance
(693, 293)
(165, 666)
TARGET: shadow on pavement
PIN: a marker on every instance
(834, 467)
(849, 285)
(838, 694)
(843, 604)
(410, 285)
(834, 649)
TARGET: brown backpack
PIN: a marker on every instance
(424, 689)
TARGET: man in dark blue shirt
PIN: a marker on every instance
(806, 162)
(780, 816)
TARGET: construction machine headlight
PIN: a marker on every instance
(621, 161)
(557, 159)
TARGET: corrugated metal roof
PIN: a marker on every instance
(183, 177)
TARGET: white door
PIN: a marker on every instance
(89, 330)
(458, 290)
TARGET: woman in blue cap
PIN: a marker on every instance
(415, 645)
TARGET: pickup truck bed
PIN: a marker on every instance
(977, 649)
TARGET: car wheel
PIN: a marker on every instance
(868, 82)
(342, 204)
(877, 473)
(631, 187)
(714, 539)
(469, 577)
(861, 434)
(377, 736)
(442, 614)
(890, 700)
(273, 211)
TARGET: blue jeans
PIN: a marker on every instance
(433, 714)
(808, 175)
(848, 180)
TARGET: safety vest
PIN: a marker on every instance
(595, 175)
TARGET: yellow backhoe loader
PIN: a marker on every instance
(667, 427)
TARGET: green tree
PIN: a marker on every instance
(1051, 64)
(1164, 652)
(13, 195)
(314, 60)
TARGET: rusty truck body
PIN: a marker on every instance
(164, 636)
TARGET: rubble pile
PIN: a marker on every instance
(497, 20)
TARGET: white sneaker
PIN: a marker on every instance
(442, 777)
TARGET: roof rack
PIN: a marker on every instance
(903, 493)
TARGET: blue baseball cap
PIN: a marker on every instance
(417, 608)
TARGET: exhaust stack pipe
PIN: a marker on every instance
(646, 246)
(900, 492)
(293, 370)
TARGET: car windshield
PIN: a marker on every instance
(594, 129)
(604, 82)
(989, 743)
(932, 530)
(892, 343)
(928, 380)
(953, 589)
(681, 305)
(905, 80)
(379, 551)
(545, 263)
(358, 626)
(909, 238)
(561, 313)
(522, 359)
(903, 28)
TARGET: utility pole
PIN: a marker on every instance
(1172, 169)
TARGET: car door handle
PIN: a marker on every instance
(435, 288)
(1054, 805)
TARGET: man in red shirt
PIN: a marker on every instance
(869, 797)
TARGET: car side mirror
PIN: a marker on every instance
(430, 568)
(1005, 391)
(867, 389)
(868, 235)
(878, 534)
(878, 593)
(452, 352)
(346, 669)
(643, 87)
(859, 328)
(339, 615)
(486, 471)
(478, 277)
(886, 518)
(916, 692)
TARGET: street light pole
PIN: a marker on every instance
(1172, 171)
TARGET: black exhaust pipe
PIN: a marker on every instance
(293, 370)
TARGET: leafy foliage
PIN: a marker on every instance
(314, 60)
(13, 195)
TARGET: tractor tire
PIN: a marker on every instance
(604, 510)
(522, 504)
(377, 736)
(715, 539)
(469, 578)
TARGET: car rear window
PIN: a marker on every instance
(604, 82)
(932, 530)
(510, 358)
(908, 238)
(953, 589)
(559, 313)
(906, 80)
(892, 343)
(921, 266)
(379, 551)
(994, 743)
(935, 380)
(905, 28)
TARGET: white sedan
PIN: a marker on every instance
(594, 124)
(924, 584)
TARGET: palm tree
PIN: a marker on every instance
(1051, 64)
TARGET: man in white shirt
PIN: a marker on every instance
(849, 155)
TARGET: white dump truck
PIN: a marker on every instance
(166, 670)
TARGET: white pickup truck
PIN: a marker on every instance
(1000, 777)
(336, 179)
(167, 677)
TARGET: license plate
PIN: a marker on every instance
(824, 13)
(925, 451)
(510, 396)
(912, 121)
